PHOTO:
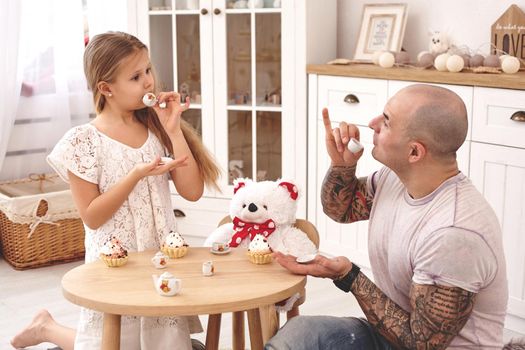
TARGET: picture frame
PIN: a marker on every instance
(382, 29)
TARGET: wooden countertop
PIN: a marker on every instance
(502, 80)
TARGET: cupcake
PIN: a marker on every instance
(174, 245)
(259, 251)
(113, 254)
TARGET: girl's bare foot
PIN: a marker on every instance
(34, 333)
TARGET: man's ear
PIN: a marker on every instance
(104, 89)
(417, 152)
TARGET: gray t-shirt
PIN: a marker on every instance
(450, 237)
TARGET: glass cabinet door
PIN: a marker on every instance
(253, 90)
(225, 55)
(175, 37)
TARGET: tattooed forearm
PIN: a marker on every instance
(438, 314)
(344, 196)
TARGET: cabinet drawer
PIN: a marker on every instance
(492, 123)
(353, 100)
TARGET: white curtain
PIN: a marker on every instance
(113, 15)
(9, 70)
(52, 86)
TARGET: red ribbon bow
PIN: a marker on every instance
(243, 229)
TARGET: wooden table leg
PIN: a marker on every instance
(254, 324)
(238, 330)
(213, 331)
(111, 332)
(269, 322)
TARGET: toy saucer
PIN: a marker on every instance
(305, 259)
(218, 252)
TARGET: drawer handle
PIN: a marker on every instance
(518, 116)
(178, 213)
(351, 98)
(217, 11)
(204, 11)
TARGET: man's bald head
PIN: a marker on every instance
(438, 119)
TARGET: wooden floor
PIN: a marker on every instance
(20, 290)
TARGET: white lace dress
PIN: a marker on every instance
(141, 223)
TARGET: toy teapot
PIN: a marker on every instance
(167, 284)
(160, 260)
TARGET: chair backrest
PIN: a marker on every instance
(302, 224)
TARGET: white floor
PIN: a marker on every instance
(23, 293)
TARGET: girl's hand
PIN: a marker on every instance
(170, 116)
(155, 167)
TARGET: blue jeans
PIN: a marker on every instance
(327, 333)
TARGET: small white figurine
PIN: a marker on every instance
(439, 43)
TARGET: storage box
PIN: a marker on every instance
(39, 223)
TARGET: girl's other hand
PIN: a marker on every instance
(156, 167)
(171, 114)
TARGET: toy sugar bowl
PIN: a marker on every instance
(167, 284)
(160, 260)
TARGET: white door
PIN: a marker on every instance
(250, 89)
(498, 172)
(228, 60)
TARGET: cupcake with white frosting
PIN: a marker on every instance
(259, 250)
(113, 254)
(174, 245)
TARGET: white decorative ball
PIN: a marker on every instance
(455, 63)
(502, 57)
(387, 60)
(376, 55)
(440, 63)
(510, 64)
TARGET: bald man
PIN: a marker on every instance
(435, 244)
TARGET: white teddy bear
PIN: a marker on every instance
(267, 208)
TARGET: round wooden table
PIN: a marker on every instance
(237, 285)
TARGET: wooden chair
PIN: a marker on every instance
(271, 318)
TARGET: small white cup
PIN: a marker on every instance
(354, 146)
(220, 246)
(207, 268)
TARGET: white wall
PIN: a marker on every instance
(468, 22)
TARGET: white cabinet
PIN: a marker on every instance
(353, 100)
(493, 156)
(243, 66)
(497, 169)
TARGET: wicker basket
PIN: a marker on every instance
(50, 243)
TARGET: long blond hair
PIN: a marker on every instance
(102, 57)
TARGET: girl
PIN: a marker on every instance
(119, 184)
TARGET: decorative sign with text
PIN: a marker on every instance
(508, 33)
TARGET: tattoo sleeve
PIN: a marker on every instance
(344, 196)
(438, 314)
